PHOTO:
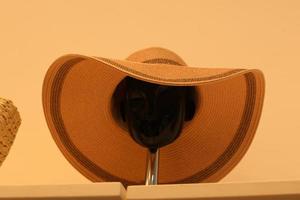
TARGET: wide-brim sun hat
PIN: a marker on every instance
(10, 121)
(79, 109)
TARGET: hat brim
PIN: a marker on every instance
(77, 101)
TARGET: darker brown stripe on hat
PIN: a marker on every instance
(61, 130)
(237, 139)
(98, 171)
(162, 61)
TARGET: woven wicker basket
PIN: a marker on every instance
(9, 123)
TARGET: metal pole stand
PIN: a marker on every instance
(152, 168)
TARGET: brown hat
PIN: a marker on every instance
(78, 105)
(9, 123)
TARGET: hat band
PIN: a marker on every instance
(162, 61)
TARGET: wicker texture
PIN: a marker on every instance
(9, 123)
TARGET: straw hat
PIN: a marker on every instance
(9, 123)
(81, 115)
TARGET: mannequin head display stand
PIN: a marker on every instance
(154, 116)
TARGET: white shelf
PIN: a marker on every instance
(99, 191)
(289, 190)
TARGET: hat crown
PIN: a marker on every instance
(154, 55)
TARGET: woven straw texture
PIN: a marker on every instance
(77, 100)
(9, 123)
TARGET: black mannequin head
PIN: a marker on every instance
(154, 114)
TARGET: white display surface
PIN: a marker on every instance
(288, 190)
(219, 191)
(99, 191)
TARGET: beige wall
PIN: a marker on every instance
(260, 34)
